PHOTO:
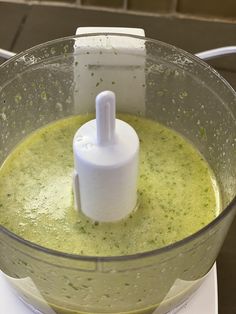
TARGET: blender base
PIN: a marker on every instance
(204, 300)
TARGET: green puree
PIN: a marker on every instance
(177, 191)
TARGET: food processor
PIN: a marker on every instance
(151, 79)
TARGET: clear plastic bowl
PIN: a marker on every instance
(152, 79)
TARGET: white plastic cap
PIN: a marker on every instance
(106, 164)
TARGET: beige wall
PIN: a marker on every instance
(225, 9)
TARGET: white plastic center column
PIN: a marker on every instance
(106, 154)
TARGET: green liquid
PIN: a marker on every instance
(177, 191)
